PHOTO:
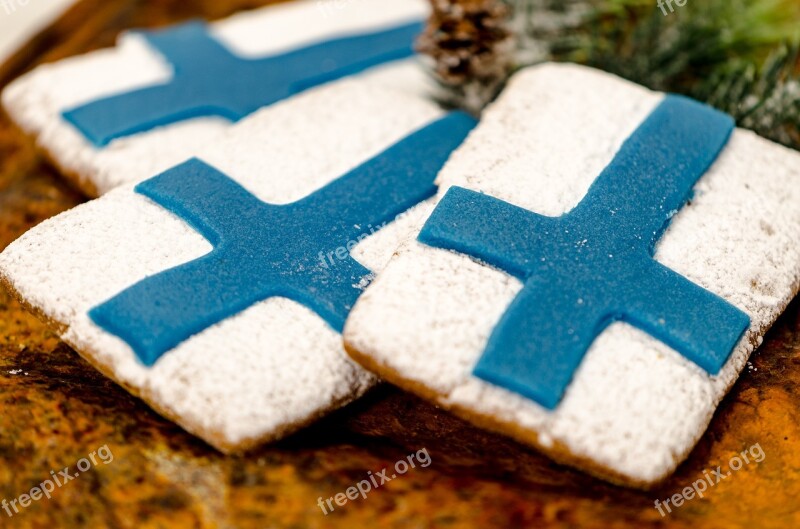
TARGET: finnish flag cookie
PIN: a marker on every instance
(121, 115)
(217, 290)
(600, 263)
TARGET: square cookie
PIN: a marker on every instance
(600, 264)
(124, 114)
(217, 290)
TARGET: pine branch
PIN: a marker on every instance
(737, 55)
(766, 101)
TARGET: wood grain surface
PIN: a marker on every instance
(55, 409)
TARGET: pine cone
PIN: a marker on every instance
(472, 48)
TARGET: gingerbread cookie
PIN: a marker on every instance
(122, 115)
(600, 264)
(217, 290)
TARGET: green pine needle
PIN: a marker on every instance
(740, 56)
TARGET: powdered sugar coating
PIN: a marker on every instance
(273, 367)
(35, 101)
(635, 407)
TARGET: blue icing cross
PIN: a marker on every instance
(594, 265)
(210, 81)
(263, 250)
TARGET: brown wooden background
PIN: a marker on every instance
(55, 409)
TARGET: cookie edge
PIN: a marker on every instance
(213, 437)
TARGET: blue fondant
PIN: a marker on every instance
(594, 265)
(209, 80)
(263, 250)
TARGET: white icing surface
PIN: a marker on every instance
(21, 20)
(255, 375)
(35, 101)
(635, 407)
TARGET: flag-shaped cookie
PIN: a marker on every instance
(600, 264)
(124, 114)
(217, 290)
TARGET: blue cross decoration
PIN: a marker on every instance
(263, 250)
(594, 265)
(210, 81)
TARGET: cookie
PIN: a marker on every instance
(124, 114)
(217, 290)
(601, 262)
(29, 20)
